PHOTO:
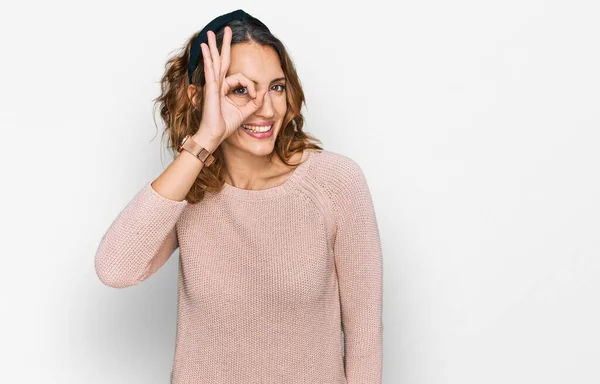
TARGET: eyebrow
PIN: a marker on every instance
(272, 81)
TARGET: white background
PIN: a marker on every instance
(475, 122)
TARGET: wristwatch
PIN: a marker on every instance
(196, 149)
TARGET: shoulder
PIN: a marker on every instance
(336, 170)
(344, 188)
(339, 177)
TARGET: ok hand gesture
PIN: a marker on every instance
(220, 115)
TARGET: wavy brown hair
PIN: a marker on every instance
(181, 117)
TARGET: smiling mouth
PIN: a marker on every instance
(257, 129)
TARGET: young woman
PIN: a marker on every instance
(280, 263)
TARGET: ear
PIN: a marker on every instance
(192, 93)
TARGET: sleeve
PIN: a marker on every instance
(140, 239)
(358, 259)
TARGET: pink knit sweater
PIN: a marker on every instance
(268, 279)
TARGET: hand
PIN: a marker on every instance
(220, 115)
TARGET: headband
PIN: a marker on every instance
(214, 26)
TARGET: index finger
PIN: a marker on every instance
(226, 51)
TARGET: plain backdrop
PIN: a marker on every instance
(475, 122)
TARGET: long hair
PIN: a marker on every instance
(181, 117)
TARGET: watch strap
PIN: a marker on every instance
(188, 144)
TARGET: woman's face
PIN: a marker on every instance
(259, 64)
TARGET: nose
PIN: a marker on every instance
(266, 110)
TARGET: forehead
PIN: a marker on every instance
(259, 63)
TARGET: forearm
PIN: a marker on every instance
(177, 179)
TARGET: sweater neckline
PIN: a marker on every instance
(283, 188)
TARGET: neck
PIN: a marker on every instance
(255, 172)
(250, 171)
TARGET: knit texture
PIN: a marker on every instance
(268, 279)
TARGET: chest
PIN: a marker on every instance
(278, 251)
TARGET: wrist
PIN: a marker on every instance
(207, 142)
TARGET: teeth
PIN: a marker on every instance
(253, 128)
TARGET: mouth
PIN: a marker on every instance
(258, 127)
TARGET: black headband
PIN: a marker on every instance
(214, 26)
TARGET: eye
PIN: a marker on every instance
(281, 87)
(236, 91)
(243, 91)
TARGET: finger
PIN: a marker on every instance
(237, 79)
(253, 105)
(214, 52)
(209, 73)
(226, 51)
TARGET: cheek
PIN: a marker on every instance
(280, 105)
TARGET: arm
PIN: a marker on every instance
(143, 236)
(358, 259)
(140, 239)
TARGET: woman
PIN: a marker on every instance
(278, 240)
